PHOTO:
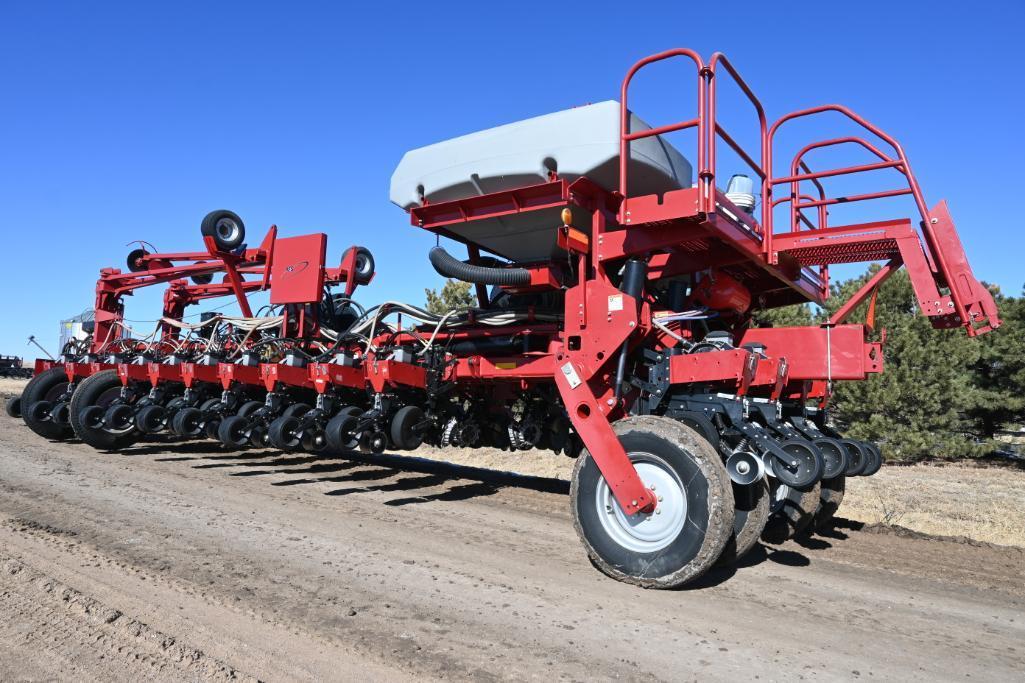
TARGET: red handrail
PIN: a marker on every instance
(625, 136)
(715, 129)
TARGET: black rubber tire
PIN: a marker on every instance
(59, 414)
(830, 497)
(874, 458)
(282, 433)
(402, 434)
(709, 495)
(750, 515)
(89, 392)
(187, 422)
(856, 460)
(225, 227)
(794, 516)
(13, 406)
(345, 420)
(46, 386)
(209, 404)
(150, 419)
(248, 408)
(132, 261)
(365, 267)
(232, 432)
(834, 457)
(296, 410)
(704, 426)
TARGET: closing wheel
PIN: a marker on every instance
(403, 434)
(89, 406)
(834, 457)
(688, 530)
(187, 422)
(830, 498)
(340, 429)
(313, 441)
(873, 458)
(13, 406)
(60, 415)
(150, 419)
(50, 387)
(225, 227)
(791, 511)
(802, 467)
(856, 458)
(283, 433)
(233, 431)
(750, 515)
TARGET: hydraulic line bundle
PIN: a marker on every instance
(617, 285)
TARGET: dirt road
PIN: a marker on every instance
(185, 561)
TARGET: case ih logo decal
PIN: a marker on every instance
(296, 268)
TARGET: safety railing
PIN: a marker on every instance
(626, 136)
(716, 131)
(710, 131)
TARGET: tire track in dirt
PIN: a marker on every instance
(280, 565)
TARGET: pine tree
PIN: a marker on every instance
(454, 295)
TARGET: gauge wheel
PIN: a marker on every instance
(91, 401)
(750, 515)
(691, 524)
(791, 511)
(39, 396)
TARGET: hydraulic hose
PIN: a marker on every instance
(449, 266)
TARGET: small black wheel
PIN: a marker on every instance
(834, 457)
(283, 433)
(211, 427)
(364, 269)
(248, 408)
(856, 458)
(134, 260)
(187, 422)
(803, 465)
(60, 415)
(89, 405)
(340, 431)
(233, 431)
(691, 525)
(226, 229)
(119, 417)
(209, 405)
(873, 457)
(830, 498)
(403, 424)
(150, 419)
(791, 511)
(204, 278)
(13, 406)
(313, 441)
(750, 515)
(296, 410)
(49, 386)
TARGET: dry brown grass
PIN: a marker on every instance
(983, 503)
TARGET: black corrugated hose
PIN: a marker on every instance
(449, 266)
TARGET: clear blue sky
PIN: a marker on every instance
(125, 121)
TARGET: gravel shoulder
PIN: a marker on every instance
(172, 561)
